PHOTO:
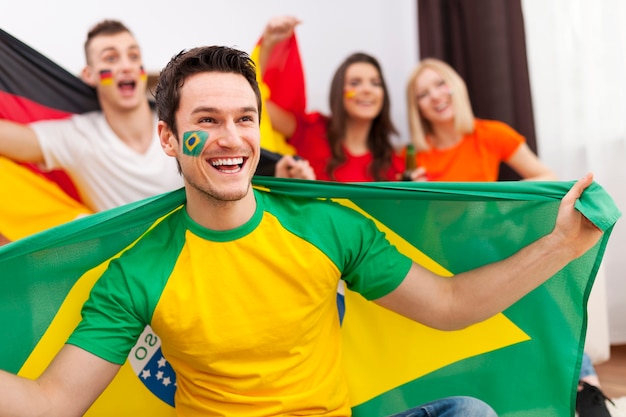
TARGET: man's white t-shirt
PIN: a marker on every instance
(106, 172)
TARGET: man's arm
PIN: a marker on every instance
(68, 387)
(19, 142)
(473, 296)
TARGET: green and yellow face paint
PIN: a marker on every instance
(106, 77)
(193, 142)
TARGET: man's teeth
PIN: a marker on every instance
(227, 161)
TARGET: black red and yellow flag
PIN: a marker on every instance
(32, 88)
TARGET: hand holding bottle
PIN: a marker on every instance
(411, 171)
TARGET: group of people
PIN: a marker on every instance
(354, 142)
(206, 124)
(113, 156)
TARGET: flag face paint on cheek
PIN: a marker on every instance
(193, 142)
(349, 93)
(142, 74)
(106, 77)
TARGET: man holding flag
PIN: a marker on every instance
(112, 155)
(250, 332)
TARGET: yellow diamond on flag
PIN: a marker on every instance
(398, 350)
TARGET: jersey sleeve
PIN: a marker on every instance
(365, 259)
(374, 267)
(110, 323)
(123, 300)
(51, 136)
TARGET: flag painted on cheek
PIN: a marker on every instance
(193, 142)
(524, 362)
(349, 94)
(106, 77)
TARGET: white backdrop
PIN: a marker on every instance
(330, 31)
(577, 63)
(577, 58)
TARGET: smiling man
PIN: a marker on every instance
(240, 284)
(113, 156)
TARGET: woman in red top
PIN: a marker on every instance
(451, 144)
(353, 143)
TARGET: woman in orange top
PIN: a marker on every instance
(451, 144)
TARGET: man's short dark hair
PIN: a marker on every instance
(105, 27)
(194, 61)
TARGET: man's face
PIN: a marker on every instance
(218, 135)
(115, 69)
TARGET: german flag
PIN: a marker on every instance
(106, 77)
(524, 362)
(34, 88)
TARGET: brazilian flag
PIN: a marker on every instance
(524, 361)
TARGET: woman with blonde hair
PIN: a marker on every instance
(452, 144)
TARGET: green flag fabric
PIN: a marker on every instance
(524, 361)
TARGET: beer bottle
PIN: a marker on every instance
(410, 163)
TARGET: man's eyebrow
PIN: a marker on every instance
(249, 109)
(107, 49)
(205, 109)
(113, 48)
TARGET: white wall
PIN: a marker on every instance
(577, 63)
(331, 30)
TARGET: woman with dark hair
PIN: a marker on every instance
(353, 143)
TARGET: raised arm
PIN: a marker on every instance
(277, 30)
(68, 387)
(19, 142)
(473, 296)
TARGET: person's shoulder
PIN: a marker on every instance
(159, 239)
(495, 126)
(304, 206)
(90, 115)
(89, 119)
(322, 220)
(497, 135)
(312, 119)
